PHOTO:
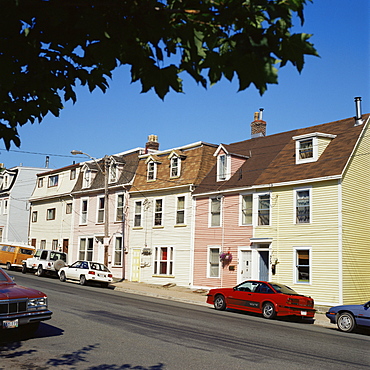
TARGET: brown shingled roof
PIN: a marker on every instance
(272, 158)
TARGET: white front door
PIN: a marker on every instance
(245, 266)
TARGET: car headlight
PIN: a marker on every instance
(35, 304)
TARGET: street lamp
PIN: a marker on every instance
(106, 210)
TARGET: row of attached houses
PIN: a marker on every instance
(290, 207)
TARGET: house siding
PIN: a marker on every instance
(320, 236)
(356, 231)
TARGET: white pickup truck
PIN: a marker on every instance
(45, 261)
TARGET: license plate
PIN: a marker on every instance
(7, 324)
(303, 313)
(101, 275)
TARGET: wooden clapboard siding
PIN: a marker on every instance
(227, 238)
(356, 230)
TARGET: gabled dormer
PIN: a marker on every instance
(227, 163)
(309, 147)
(175, 158)
(151, 167)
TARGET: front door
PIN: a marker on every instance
(65, 246)
(135, 265)
(264, 265)
(245, 266)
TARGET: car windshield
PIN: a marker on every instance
(283, 289)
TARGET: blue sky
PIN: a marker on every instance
(122, 119)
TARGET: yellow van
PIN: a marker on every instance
(12, 255)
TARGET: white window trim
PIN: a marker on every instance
(86, 178)
(177, 209)
(295, 205)
(87, 211)
(209, 247)
(157, 252)
(227, 167)
(123, 207)
(295, 271)
(256, 208)
(162, 212)
(141, 213)
(114, 250)
(178, 166)
(241, 208)
(98, 198)
(210, 211)
(112, 164)
(154, 170)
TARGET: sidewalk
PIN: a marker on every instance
(187, 295)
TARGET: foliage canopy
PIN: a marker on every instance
(48, 47)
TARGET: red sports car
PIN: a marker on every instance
(270, 299)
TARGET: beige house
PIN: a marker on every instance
(51, 209)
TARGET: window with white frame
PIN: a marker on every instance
(151, 171)
(175, 166)
(86, 179)
(158, 212)
(1, 233)
(42, 244)
(53, 181)
(119, 207)
(6, 181)
(264, 209)
(180, 211)
(83, 213)
(302, 265)
(222, 167)
(118, 251)
(1, 206)
(163, 261)
(40, 182)
(86, 249)
(72, 174)
(68, 208)
(214, 262)
(6, 204)
(247, 209)
(50, 214)
(113, 172)
(54, 245)
(215, 211)
(302, 206)
(34, 216)
(101, 209)
(138, 213)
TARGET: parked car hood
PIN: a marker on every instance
(13, 291)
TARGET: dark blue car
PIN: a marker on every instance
(348, 317)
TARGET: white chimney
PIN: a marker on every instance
(359, 120)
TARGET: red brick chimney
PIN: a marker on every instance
(258, 126)
(152, 143)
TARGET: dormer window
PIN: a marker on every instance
(309, 147)
(305, 149)
(151, 171)
(87, 176)
(113, 172)
(223, 167)
(6, 181)
(175, 167)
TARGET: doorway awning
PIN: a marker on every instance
(261, 240)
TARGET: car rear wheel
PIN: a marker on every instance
(62, 277)
(82, 280)
(8, 266)
(268, 310)
(219, 302)
(40, 271)
(346, 322)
